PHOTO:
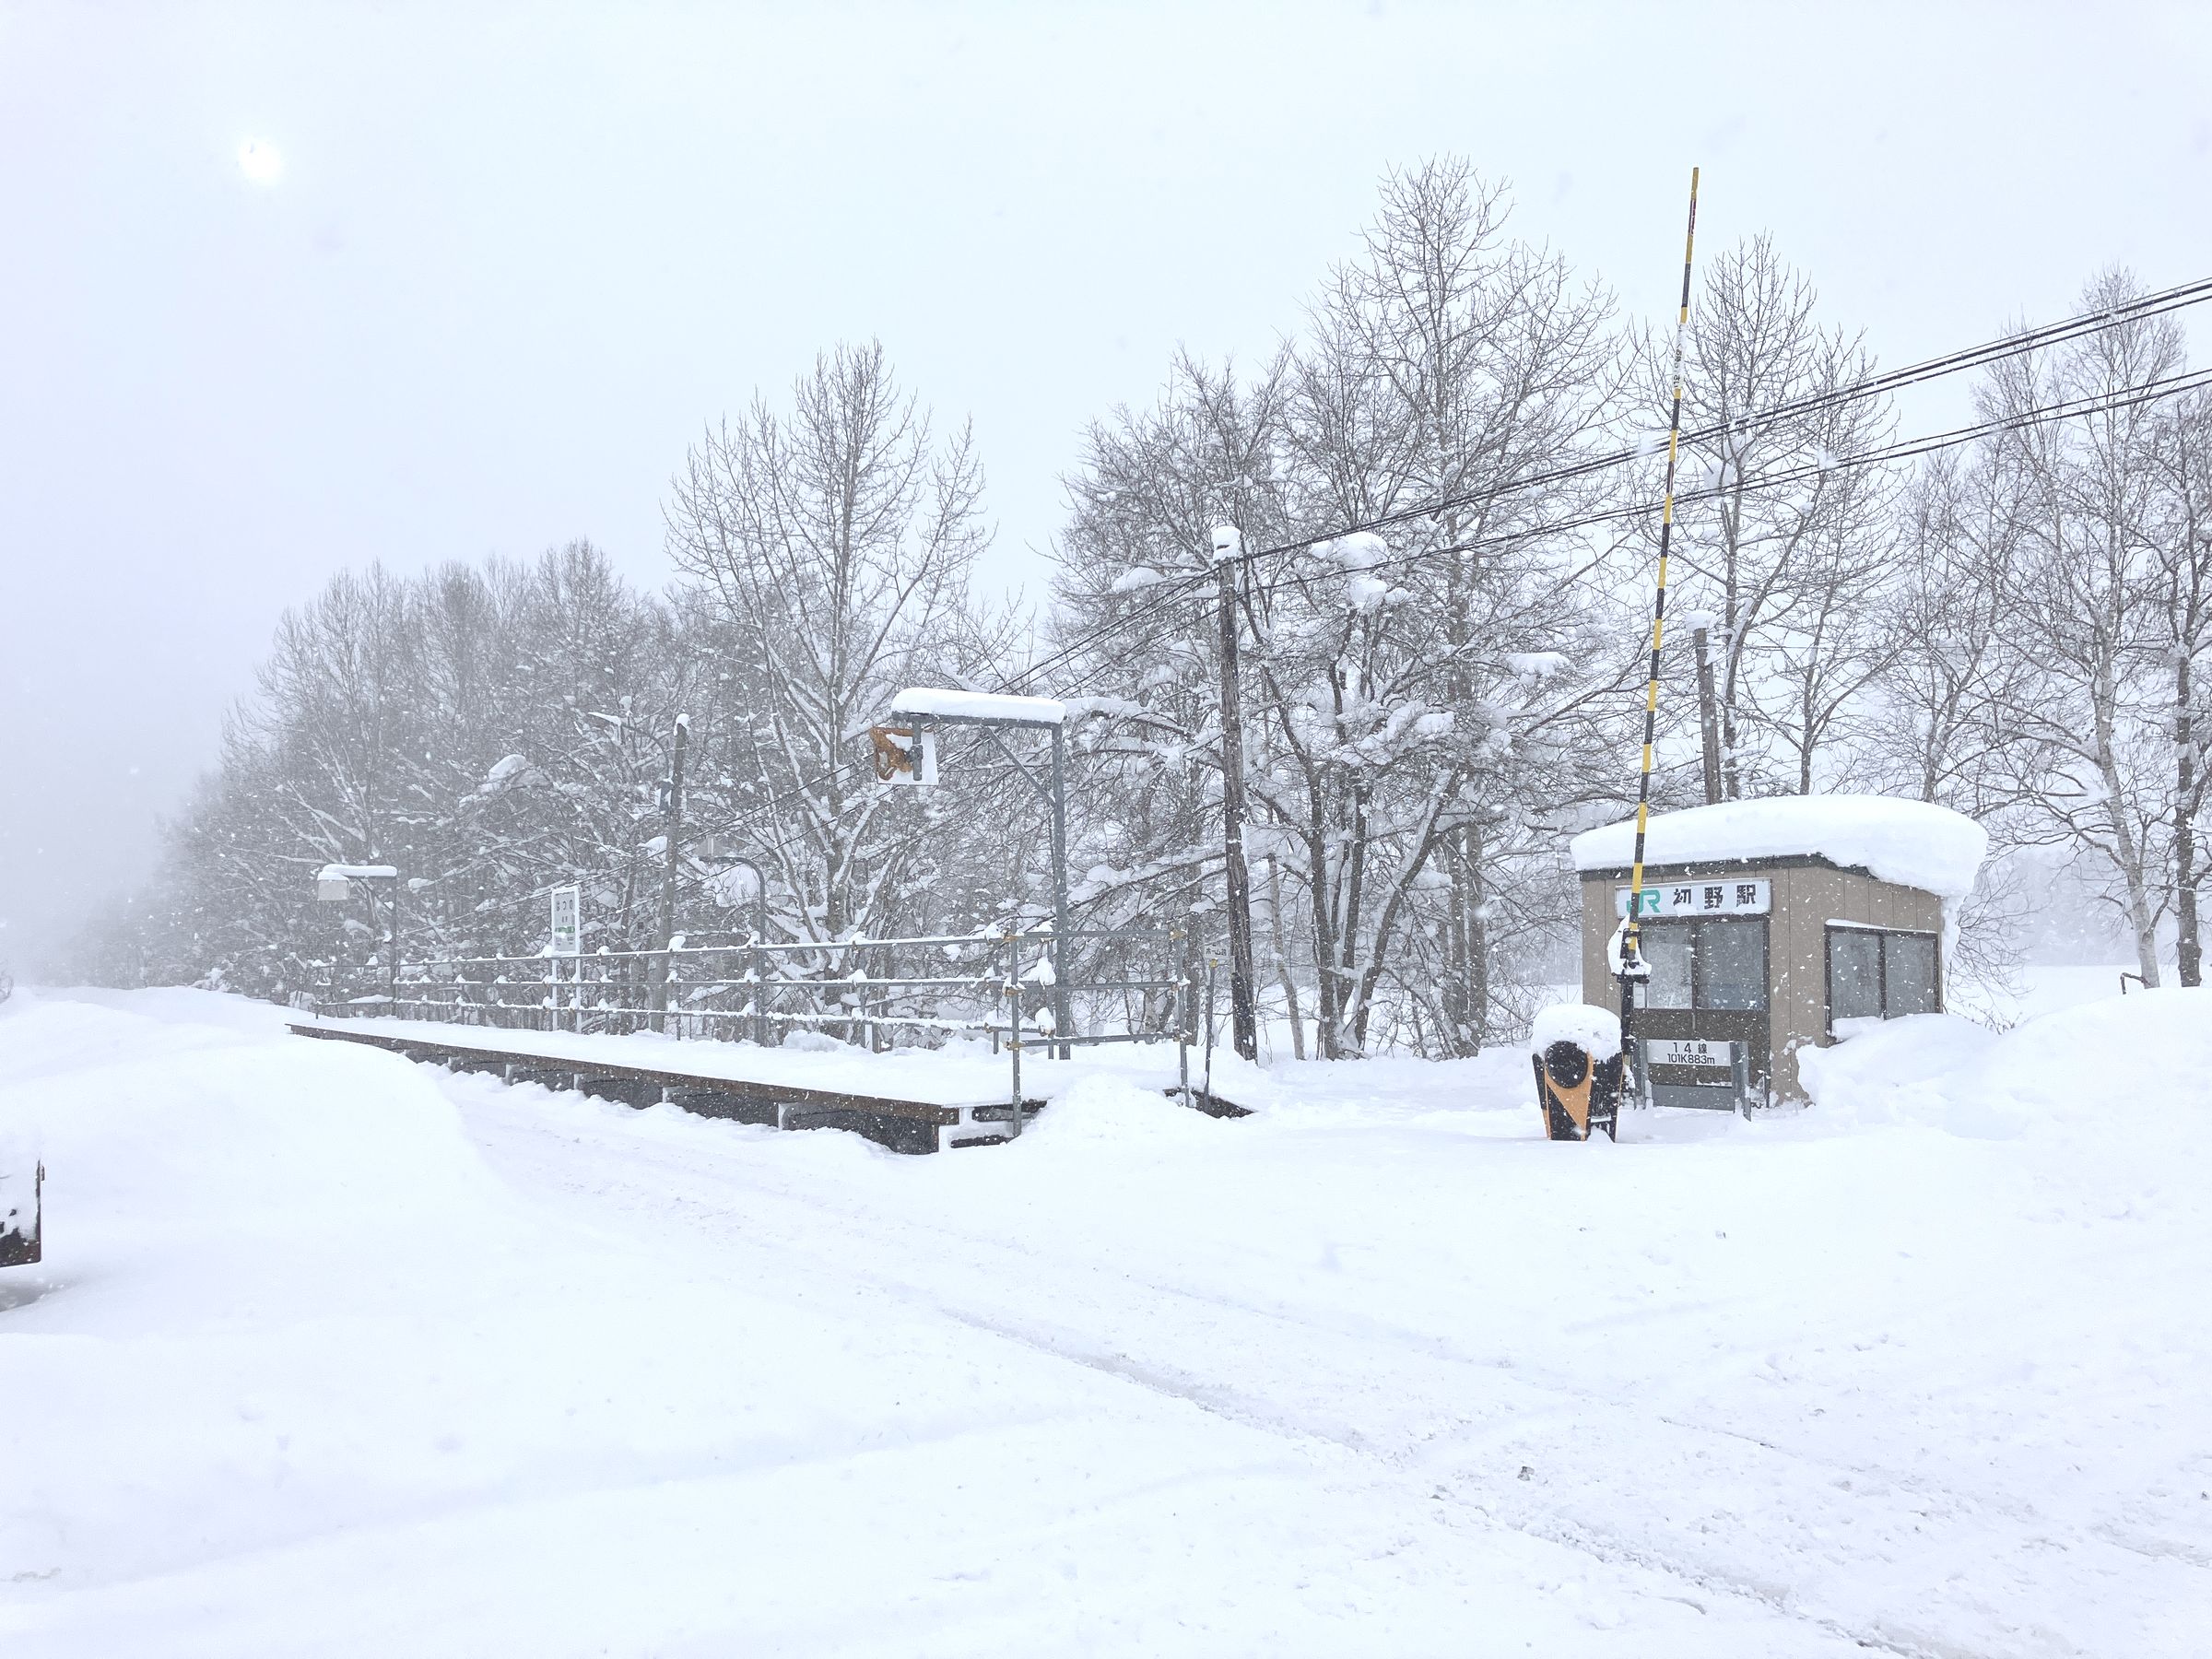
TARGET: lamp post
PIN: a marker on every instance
(758, 958)
(672, 832)
(334, 885)
(994, 714)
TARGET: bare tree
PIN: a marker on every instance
(2089, 722)
(1788, 571)
(2180, 604)
(836, 538)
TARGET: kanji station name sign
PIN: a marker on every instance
(1700, 899)
(567, 920)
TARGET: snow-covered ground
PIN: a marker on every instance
(333, 1354)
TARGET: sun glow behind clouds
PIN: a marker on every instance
(259, 160)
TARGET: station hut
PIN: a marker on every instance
(1768, 926)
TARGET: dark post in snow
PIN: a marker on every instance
(1063, 1020)
(673, 830)
(1228, 551)
(1709, 717)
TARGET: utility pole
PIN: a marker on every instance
(1229, 559)
(673, 831)
(1709, 717)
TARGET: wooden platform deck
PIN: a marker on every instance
(903, 1125)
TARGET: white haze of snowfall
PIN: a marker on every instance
(979, 705)
(1910, 843)
(339, 1355)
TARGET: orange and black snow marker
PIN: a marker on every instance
(1577, 1092)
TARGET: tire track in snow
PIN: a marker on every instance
(1798, 1535)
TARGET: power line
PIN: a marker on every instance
(1988, 352)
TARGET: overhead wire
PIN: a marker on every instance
(1158, 593)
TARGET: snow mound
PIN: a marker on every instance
(1596, 1029)
(1097, 1110)
(1910, 843)
(2121, 1067)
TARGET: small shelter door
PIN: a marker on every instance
(1703, 1019)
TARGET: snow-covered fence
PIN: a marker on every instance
(875, 993)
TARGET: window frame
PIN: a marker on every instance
(1693, 926)
(1881, 968)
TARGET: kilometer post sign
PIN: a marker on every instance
(568, 920)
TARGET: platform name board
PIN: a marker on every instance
(1689, 1051)
(1698, 899)
(567, 919)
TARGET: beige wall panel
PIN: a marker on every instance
(1598, 927)
(1813, 895)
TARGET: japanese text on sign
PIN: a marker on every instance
(567, 920)
(1698, 899)
(1689, 1051)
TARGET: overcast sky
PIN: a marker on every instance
(513, 259)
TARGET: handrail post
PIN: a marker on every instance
(1183, 1010)
(1013, 996)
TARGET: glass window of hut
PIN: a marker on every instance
(1732, 964)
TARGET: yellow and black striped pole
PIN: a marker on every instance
(1632, 936)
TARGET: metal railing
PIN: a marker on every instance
(868, 993)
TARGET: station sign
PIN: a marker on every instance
(1700, 899)
(567, 920)
(1689, 1051)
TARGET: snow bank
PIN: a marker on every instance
(631, 1382)
(979, 705)
(1910, 843)
(1099, 1112)
(2121, 1066)
(1592, 1028)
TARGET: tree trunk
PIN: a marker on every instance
(1282, 960)
(2125, 852)
(2188, 950)
(1328, 990)
(1243, 1013)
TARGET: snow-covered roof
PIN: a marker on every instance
(356, 873)
(979, 705)
(1910, 843)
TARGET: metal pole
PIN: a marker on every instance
(1062, 1021)
(1229, 548)
(1013, 993)
(1206, 1090)
(1182, 1011)
(1632, 935)
(673, 834)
